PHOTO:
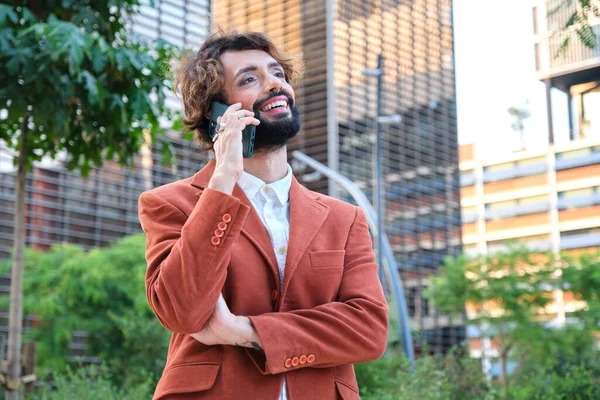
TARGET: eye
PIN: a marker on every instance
(280, 74)
(247, 80)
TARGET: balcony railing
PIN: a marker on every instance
(579, 202)
(467, 180)
(522, 209)
(574, 162)
(553, 61)
(516, 172)
(579, 241)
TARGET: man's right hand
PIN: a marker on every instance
(228, 148)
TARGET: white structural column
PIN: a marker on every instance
(555, 230)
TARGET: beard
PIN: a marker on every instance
(273, 134)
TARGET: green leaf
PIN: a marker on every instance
(8, 13)
(98, 60)
(92, 87)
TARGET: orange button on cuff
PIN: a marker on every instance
(215, 240)
(288, 363)
(310, 359)
(303, 359)
(227, 218)
(222, 226)
(219, 233)
(295, 361)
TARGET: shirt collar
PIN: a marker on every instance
(251, 185)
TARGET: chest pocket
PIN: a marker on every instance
(327, 259)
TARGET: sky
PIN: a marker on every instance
(495, 70)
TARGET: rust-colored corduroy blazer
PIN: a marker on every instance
(329, 314)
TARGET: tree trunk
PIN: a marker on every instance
(16, 284)
(503, 358)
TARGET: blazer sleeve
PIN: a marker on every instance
(351, 330)
(187, 265)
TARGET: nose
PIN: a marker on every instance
(273, 84)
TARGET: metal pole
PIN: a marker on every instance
(378, 181)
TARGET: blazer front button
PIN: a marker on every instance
(274, 295)
(227, 218)
(215, 240)
(222, 226)
(310, 359)
(303, 359)
(288, 363)
(295, 361)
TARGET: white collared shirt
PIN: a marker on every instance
(271, 202)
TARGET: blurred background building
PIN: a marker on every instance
(573, 69)
(549, 197)
(338, 106)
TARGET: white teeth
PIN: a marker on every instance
(279, 103)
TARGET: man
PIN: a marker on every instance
(270, 290)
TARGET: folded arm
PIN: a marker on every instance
(187, 261)
(351, 330)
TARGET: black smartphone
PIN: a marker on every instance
(217, 109)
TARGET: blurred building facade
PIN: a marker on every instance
(338, 107)
(565, 63)
(548, 199)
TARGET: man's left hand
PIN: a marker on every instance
(220, 327)
(225, 328)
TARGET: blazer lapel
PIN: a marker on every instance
(307, 215)
(253, 227)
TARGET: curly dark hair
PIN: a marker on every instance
(198, 78)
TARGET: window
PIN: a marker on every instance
(500, 167)
(567, 155)
(533, 200)
(501, 205)
(590, 104)
(531, 161)
(571, 194)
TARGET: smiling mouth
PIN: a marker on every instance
(274, 105)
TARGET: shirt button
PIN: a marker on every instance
(266, 189)
(269, 216)
(281, 250)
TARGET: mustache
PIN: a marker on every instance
(259, 104)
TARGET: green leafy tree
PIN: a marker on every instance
(101, 292)
(74, 84)
(519, 115)
(579, 20)
(506, 293)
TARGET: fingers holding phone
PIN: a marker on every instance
(228, 139)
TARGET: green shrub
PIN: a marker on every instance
(92, 383)
(578, 383)
(454, 376)
(102, 292)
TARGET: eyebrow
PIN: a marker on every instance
(254, 68)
